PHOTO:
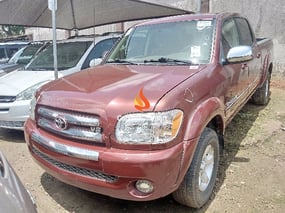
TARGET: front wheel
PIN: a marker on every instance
(198, 184)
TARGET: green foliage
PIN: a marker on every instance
(11, 30)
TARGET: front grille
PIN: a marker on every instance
(12, 124)
(70, 124)
(4, 109)
(76, 170)
(7, 99)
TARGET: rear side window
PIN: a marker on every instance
(245, 33)
(2, 53)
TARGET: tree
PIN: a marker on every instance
(11, 30)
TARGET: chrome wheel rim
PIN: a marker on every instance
(206, 168)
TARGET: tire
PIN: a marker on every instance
(199, 181)
(262, 94)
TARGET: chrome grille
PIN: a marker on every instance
(76, 170)
(12, 124)
(70, 124)
(7, 99)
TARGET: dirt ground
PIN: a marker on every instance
(251, 175)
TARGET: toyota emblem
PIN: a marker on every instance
(60, 123)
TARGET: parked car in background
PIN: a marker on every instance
(17, 88)
(22, 57)
(13, 195)
(8, 49)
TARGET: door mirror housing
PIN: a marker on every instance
(240, 54)
(94, 62)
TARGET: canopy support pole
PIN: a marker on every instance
(53, 8)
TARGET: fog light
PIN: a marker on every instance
(144, 186)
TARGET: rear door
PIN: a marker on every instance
(246, 37)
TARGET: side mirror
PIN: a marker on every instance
(239, 54)
(94, 62)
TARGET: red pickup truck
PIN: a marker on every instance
(150, 120)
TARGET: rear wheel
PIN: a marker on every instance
(197, 186)
(262, 94)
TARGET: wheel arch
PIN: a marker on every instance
(266, 70)
(208, 114)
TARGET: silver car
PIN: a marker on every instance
(13, 195)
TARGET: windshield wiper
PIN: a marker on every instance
(63, 68)
(39, 69)
(168, 60)
(120, 61)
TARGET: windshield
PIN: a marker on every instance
(28, 53)
(176, 42)
(15, 57)
(68, 55)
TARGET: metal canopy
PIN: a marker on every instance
(80, 14)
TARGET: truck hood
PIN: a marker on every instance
(113, 89)
(15, 82)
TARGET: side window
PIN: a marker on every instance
(229, 36)
(245, 33)
(2, 53)
(11, 51)
(98, 51)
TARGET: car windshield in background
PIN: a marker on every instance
(15, 57)
(169, 43)
(7, 50)
(68, 55)
(27, 54)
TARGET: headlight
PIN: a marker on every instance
(149, 127)
(33, 107)
(28, 93)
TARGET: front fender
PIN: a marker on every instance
(205, 112)
(202, 115)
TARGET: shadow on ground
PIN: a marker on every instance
(10, 135)
(235, 133)
(79, 201)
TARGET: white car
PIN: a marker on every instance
(17, 88)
